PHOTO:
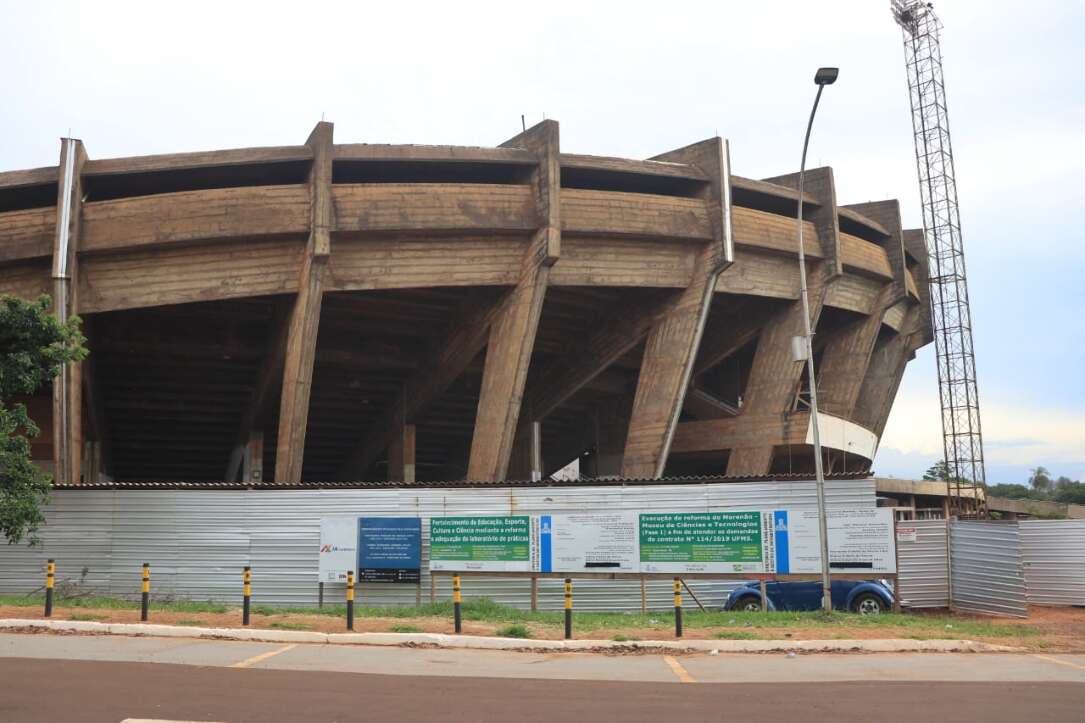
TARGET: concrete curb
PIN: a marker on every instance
(490, 643)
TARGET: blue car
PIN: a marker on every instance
(866, 597)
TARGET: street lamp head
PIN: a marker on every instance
(826, 76)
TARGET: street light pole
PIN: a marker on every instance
(824, 77)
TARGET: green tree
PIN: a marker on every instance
(939, 471)
(1072, 492)
(34, 346)
(1012, 491)
(1041, 482)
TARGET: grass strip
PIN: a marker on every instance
(927, 625)
(113, 603)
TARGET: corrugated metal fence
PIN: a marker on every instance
(1054, 556)
(998, 567)
(987, 568)
(923, 574)
(197, 541)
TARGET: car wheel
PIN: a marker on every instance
(748, 604)
(868, 603)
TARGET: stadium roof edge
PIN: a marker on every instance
(601, 482)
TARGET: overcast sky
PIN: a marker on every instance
(635, 79)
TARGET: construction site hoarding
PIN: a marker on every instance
(197, 540)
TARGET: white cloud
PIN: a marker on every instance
(1022, 435)
(914, 425)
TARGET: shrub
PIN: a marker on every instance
(619, 638)
(515, 630)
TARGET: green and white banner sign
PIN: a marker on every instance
(483, 543)
(689, 542)
(674, 543)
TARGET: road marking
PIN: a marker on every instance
(263, 656)
(682, 673)
(1060, 662)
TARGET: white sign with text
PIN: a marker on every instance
(860, 541)
(338, 547)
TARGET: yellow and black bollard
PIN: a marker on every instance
(246, 594)
(568, 608)
(457, 599)
(145, 598)
(50, 574)
(677, 608)
(350, 600)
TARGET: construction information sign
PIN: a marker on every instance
(483, 543)
(778, 542)
(338, 547)
(389, 549)
(589, 542)
(692, 542)
(860, 541)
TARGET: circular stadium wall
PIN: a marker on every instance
(388, 312)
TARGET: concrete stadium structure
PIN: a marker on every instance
(410, 313)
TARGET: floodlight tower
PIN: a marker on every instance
(952, 319)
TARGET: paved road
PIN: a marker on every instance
(80, 678)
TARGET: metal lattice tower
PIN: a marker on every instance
(951, 317)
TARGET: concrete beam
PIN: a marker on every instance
(512, 335)
(67, 386)
(884, 373)
(401, 455)
(773, 382)
(259, 403)
(252, 469)
(819, 184)
(887, 214)
(304, 325)
(98, 463)
(671, 348)
(916, 245)
(846, 357)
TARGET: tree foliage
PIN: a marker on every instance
(1040, 481)
(1042, 487)
(34, 346)
(1011, 491)
(939, 471)
(1068, 491)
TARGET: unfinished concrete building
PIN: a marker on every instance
(352, 312)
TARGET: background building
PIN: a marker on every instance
(353, 311)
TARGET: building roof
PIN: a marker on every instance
(601, 482)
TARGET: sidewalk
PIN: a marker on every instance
(438, 640)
